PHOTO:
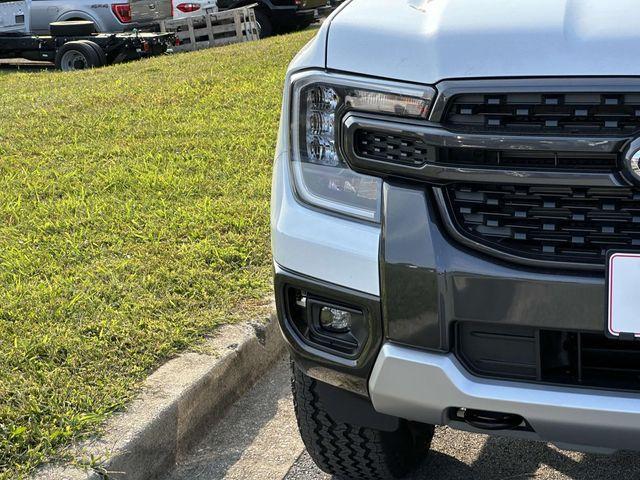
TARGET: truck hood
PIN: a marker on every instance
(430, 40)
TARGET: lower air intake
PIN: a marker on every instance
(548, 356)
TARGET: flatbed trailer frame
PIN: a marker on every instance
(115, 47)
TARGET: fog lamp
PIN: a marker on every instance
(335, 320)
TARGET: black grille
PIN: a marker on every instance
(568, 113)
(412, 150)
(548, 356)
(560, 224)
(383, 146)
(557, 161)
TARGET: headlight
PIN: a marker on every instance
(319, 101)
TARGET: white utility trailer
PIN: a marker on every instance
(213, 28)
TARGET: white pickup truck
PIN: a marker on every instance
(14, 16)
(456, 227)
(73, 45)
(35, 16)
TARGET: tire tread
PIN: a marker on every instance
(350, 451)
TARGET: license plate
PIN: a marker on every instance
(623, 295)
(316, 14)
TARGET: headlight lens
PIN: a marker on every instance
(321, 177)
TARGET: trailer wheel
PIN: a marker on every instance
(76, 56)
(265, 27)
(101, 55)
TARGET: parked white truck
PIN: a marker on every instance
(35, 16)
(75, 44)
(14, 16)
(456, 227)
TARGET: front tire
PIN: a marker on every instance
(352, 452)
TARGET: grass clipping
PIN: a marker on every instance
(133, 220)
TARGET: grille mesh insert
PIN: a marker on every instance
(562, 224)
(383, 146)
(569, 113)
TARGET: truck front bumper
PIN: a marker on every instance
(427, 387)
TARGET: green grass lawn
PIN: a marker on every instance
(133, 220)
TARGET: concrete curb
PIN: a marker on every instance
(178, 404)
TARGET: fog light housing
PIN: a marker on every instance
(337, 327)
(335, 319)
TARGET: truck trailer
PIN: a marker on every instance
(73, 45)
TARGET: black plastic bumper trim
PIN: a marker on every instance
(347, 407)
(343, 372)
(429, 281)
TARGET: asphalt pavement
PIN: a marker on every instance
(258, 439)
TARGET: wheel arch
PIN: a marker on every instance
(81, 15)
